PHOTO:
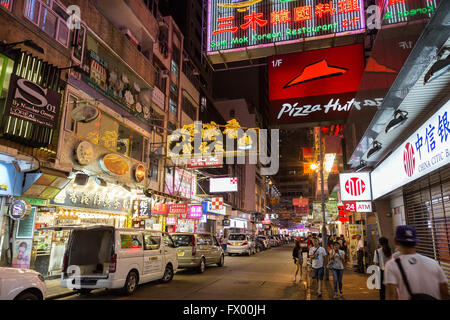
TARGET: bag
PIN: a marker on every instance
(414, 296)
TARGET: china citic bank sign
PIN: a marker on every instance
(361, 206)
(235, 24)
(355, 186)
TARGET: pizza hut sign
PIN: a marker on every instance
(29, 101)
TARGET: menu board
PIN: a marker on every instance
(26, 226)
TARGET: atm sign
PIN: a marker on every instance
(359, 206)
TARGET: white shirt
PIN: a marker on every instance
(424, 275)
(317, 261)
(338, 262)
(383, 258)
(360, 244)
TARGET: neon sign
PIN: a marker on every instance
(398, 11)
(237, 24)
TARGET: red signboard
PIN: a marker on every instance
(314, 85)
(178, 208)
(300, 202)
(159, 208)
(205, 162)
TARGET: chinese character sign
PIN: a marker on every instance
(178, 208)
(159, 208)
(195, 212)
(241, 23)
(426, 150)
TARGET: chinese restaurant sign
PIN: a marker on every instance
(141, 208)
(28, 100)
(424, 151)
(317, 85)
(236, 24)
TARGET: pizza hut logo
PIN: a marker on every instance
(355, 186)
(409, 160)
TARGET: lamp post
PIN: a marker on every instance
(322, 191)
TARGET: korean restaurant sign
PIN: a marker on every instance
(423, 152)
(398, 11)
(237, 24)
(29, 101)
(318, 85)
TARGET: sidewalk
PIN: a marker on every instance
(55, 291)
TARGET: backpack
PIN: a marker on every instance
(414, 296)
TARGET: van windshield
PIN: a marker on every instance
(239, 237)
(182, 240)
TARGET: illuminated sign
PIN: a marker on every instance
(360, 206)
(223, 185)
(355, 186)
(195, 212)
(159, 208)
(397, 11)
(205, 162)
(236, 24)
(317, 85)
(424, 151)
(178, 209)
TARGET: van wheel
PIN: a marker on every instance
(202, 266)
(168, 274)
(84, 292)
(131, 283)
(221, 261)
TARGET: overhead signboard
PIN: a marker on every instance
(355, 186)
(223, 185)
(208, 208)
(314, 86)
(424, 151)
(398, 11)
(206, 162)
(360, 206)
(238, 24)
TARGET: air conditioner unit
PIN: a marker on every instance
(127, 32)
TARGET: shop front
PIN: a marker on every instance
(212, 218)
(421, 190)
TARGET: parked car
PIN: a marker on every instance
(197, 250)
(273, 241)
(98, 257)
(21, 284)
(265, 241)
(240, 243)
(259, 245)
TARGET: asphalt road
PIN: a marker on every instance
(267, 275)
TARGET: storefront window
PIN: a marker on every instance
(7, 4)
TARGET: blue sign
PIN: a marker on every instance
(19, 209)
(10, 180)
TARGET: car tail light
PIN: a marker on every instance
(229, 244)
(113, 263)
(194, 246)
(64, 265)
(244, 243)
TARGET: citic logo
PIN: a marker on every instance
(409, 160)
(355, 186)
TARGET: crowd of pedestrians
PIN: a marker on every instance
(403, 274)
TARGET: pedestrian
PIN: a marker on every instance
(412, 276)
(317, 254)
(337, 260)
(298, 260)
(360, 253)
(380, 258)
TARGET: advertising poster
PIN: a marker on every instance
(22, 254)
(354, 230)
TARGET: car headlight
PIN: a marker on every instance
(41, 278)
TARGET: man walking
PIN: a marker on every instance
(412, 276)
(317, 254)
(360, 253)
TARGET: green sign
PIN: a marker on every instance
(26, 226)
(35, 202)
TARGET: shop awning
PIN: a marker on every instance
(45, 184)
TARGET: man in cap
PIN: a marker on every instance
(423, 275)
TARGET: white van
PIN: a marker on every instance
(99, 257)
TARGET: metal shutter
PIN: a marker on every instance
(427, 206)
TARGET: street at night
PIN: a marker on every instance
(200, 155)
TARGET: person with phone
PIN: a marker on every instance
(336, 264)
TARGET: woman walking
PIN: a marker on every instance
(381, 256)
(337, 260)
(298, 260)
